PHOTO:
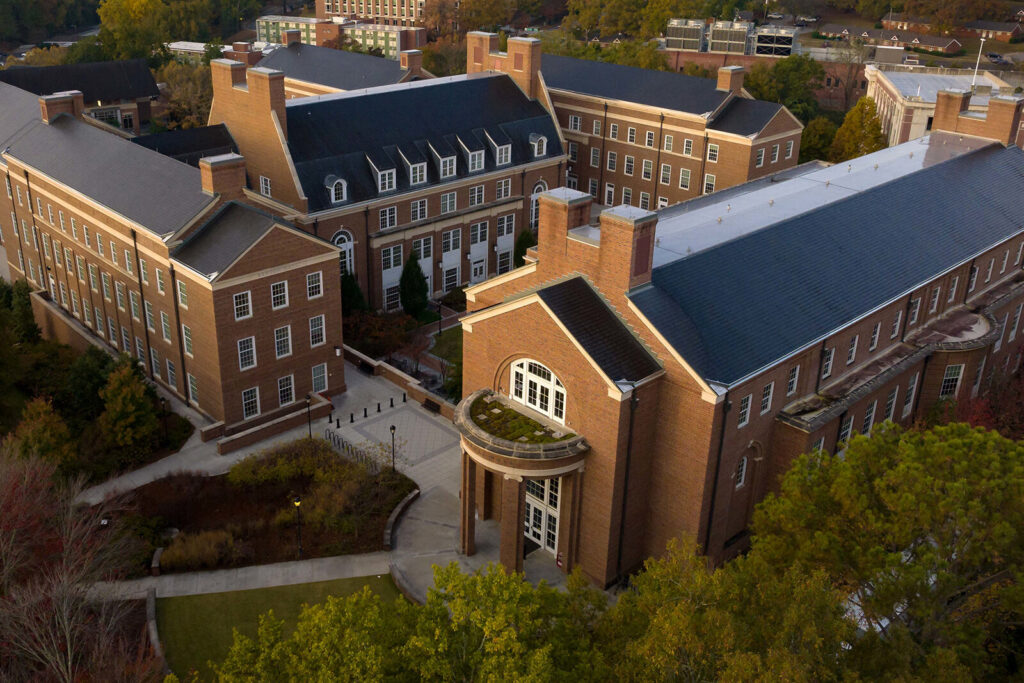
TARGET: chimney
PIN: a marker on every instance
(223, 175)
(290, 35)
(70, 102)
(1002, 121)
(560, 210)
(412, 61)
(240, 46)
(226, 73)
(266, 91)
(730, 79)
(627, 248)
(948, 106)
(479, 45)
(524, 59)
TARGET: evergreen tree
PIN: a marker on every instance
(817, 139)
(525, 240)
(352, 299)
(129, 418)
(24, 321)
(412, 287)
(860, 134)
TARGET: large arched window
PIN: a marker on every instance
(538, 189)
(343, 239)
(536, 386)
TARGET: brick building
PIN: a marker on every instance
(676, 362)
(444, 168)
(394, 13)
(229, 308)
(648, 138)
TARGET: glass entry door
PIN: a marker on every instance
(540, 523)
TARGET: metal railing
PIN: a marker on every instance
(350, 451)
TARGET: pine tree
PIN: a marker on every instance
(129, 418)
(860, 134)
(412, 287)
(352, 298)
(525, 240)
(24, 321)
(43, 433)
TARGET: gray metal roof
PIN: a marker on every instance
(223, 238)
(106, 81)
(598, 330)
(339, 69)
(927, 86)
(156, 192)
(832, 246)
(745, 117)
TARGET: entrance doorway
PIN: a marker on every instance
(540, 523)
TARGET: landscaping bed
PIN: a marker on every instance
(248, 515)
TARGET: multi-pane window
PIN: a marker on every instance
(951, 381)
(182, 294)
(759, 159)
(915, 310)
(627, 164)
(826, 361)
(775, 153)
(612, 159)
(952, 289)
(504, 155)
(596, 128)
(159, 280)
(247, 353)
(113, 252)
(575, 122)
(391, 257)
(613, 131)
(506, 225)
(243, 306)
(851, 353)
(668, 143)
(503, 189)
(251, 402)
(392, 298)
(316, 330)
(279, 294)
(314, 285)
(478, 233)
(595, 157)
(712, 153)
(684, 179)
(447, 167)
(126, 340)
(451, 240)
(1002, 268)
(448, 202)
(388, 217)
(666, 174)
(423, 248)
(688, 147)
(476, 195)
(869, 418)
(895, 331)
(627, 195)
(991, 264)
(193, 389)
(874, 336)
(63, 295)
(933, 303)
(890, 402)
(741, 472)
(417, 174)
(283, 341)
(285, 390)
(172, 376)
(105, 279)
(631, 134)
(792, 379)
(536, 386)
(979, 375)
(476, 161)
(789, 149)
(144, 271)
(650, 138)
(743, 417)
(165, 326)
(709, 183)
(154, 361)
(766, 397)
(845, 427)
(647, 169)
(908, 398)
(99, 320)
(320, 377)
(186, 336)
(645, 200)
(418, 210)
(264, 186)
(128, 261)
(150, 318)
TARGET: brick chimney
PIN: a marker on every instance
(1003, 120)
(730, 79)
(560, 210)
(627, 248)
(479, 46)
(290, 35)
(949, 104)
(266, 89)
(521, 62)
(71, 103)
(412, 61)
(223, 175)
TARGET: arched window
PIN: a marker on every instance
(540, 146)
(741, 472)
(343, 239)
(536, 386)
(538, 189)
(339, 191)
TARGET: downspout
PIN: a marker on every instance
(656, 175)
(718, 465)
(142, 296)
(600, 162)
(369, 260)
(703, 164)
(634, 399)
(906, 317)
(35, 230)
(821, 362)
(180, 334)
(17, 232)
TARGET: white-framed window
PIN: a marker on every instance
(789, 149)
(845, 428)
(595, 157)
(417, 174)
(504, 155)
(895, 331)
(972, 279)
(666, 174)
(243, 306)
(875, 331)
(743, 417)
(951, 380)
(476, 195)
(851, 353)
(1002, 332)
(250, 402)
(766, 397)
(952, 289)
(150, 318)
(596, 127)
(631, 134)
(540, 146)
(320, 378)
(126, 340)
(99, 246)
(105, 280)
(186, 336)
(478, 233)
(575, 122)
(417, 210)
(448, 202)
(645, 200)
(283, 341)
(869, 418)
(741, 472)
(662, 202)
(247, 353)
(154, 361)
(647, 169)
(63, 295)
(792, 380)
(826, 362)
(684, 179)
(285, 390)
(915, 310)
(612, 158)
(668, 143)
(447, 167)
(159, 280)
(388, 217)
(1015, 323)
(908, 398)
(423, 248)
(775, 153)
(712, 153)
(476, 161)
(316, 330)
(709, 183)
(172, 375)
(613, 131)
(503, 188)
(890, 402)
(314, 285)
(534, 385)
(759, 158)
(933, 304)
(609, 194)
(144, 271)
(92, 274)
(391, 257)
(133, 298)
(627, 195)
(165, 326)
(504, 261)
(279, 294)
(991, 264)
(451, 279)
(183, 294)
(627, 164)
(193, 389)
(979, 375)
(574, 150)
(1002, 268)
(339, 191)
(650, 138)
(451, 240)
(128, 261)
(506, 225)
(264, 186)
(688, 147)
(592, 186)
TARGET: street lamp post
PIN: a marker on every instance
(298, 519)
(977, 63)
(392, 447)
(163, 415)
(440, 316)
(309, 421)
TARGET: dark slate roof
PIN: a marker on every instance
(223, 238)
(598, 330)
(336, 135)
(744, 304)
(665, 89)
(150, 189)
(992, 25)
(189, 145)
(745, 117)
(334, 68)
(98, 81)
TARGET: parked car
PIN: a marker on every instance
(776, 15)
(809, 20)
(993, 57)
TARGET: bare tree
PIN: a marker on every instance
(850, 57)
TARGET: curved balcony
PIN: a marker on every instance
(510, 437)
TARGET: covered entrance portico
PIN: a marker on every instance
(532, 489)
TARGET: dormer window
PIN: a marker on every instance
(504, 155)
(339, 191)
(540, 146)
(417, 174)
(476, 161)
(447, 167)
(386, 180)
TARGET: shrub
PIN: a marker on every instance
(300, 461)
(203, 550)
(455, 299)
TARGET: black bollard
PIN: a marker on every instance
(351, 417)
(378, 406)
(403, 397)
(330, 417)
(337, 423)
(392, 401)
(364, 412)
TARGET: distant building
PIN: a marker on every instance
(190, 145)
(1003, 31)
(906, 100)
(899, 38)
(270, 26)
(391, 40)
(394, 13)
(188, 52)
(905, 22)
(685, 34)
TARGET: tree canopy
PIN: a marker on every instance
(860, 134)
(791, 81)
(817, 137)
(412, 287)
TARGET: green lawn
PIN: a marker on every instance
(196, 629)
(448, 345)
